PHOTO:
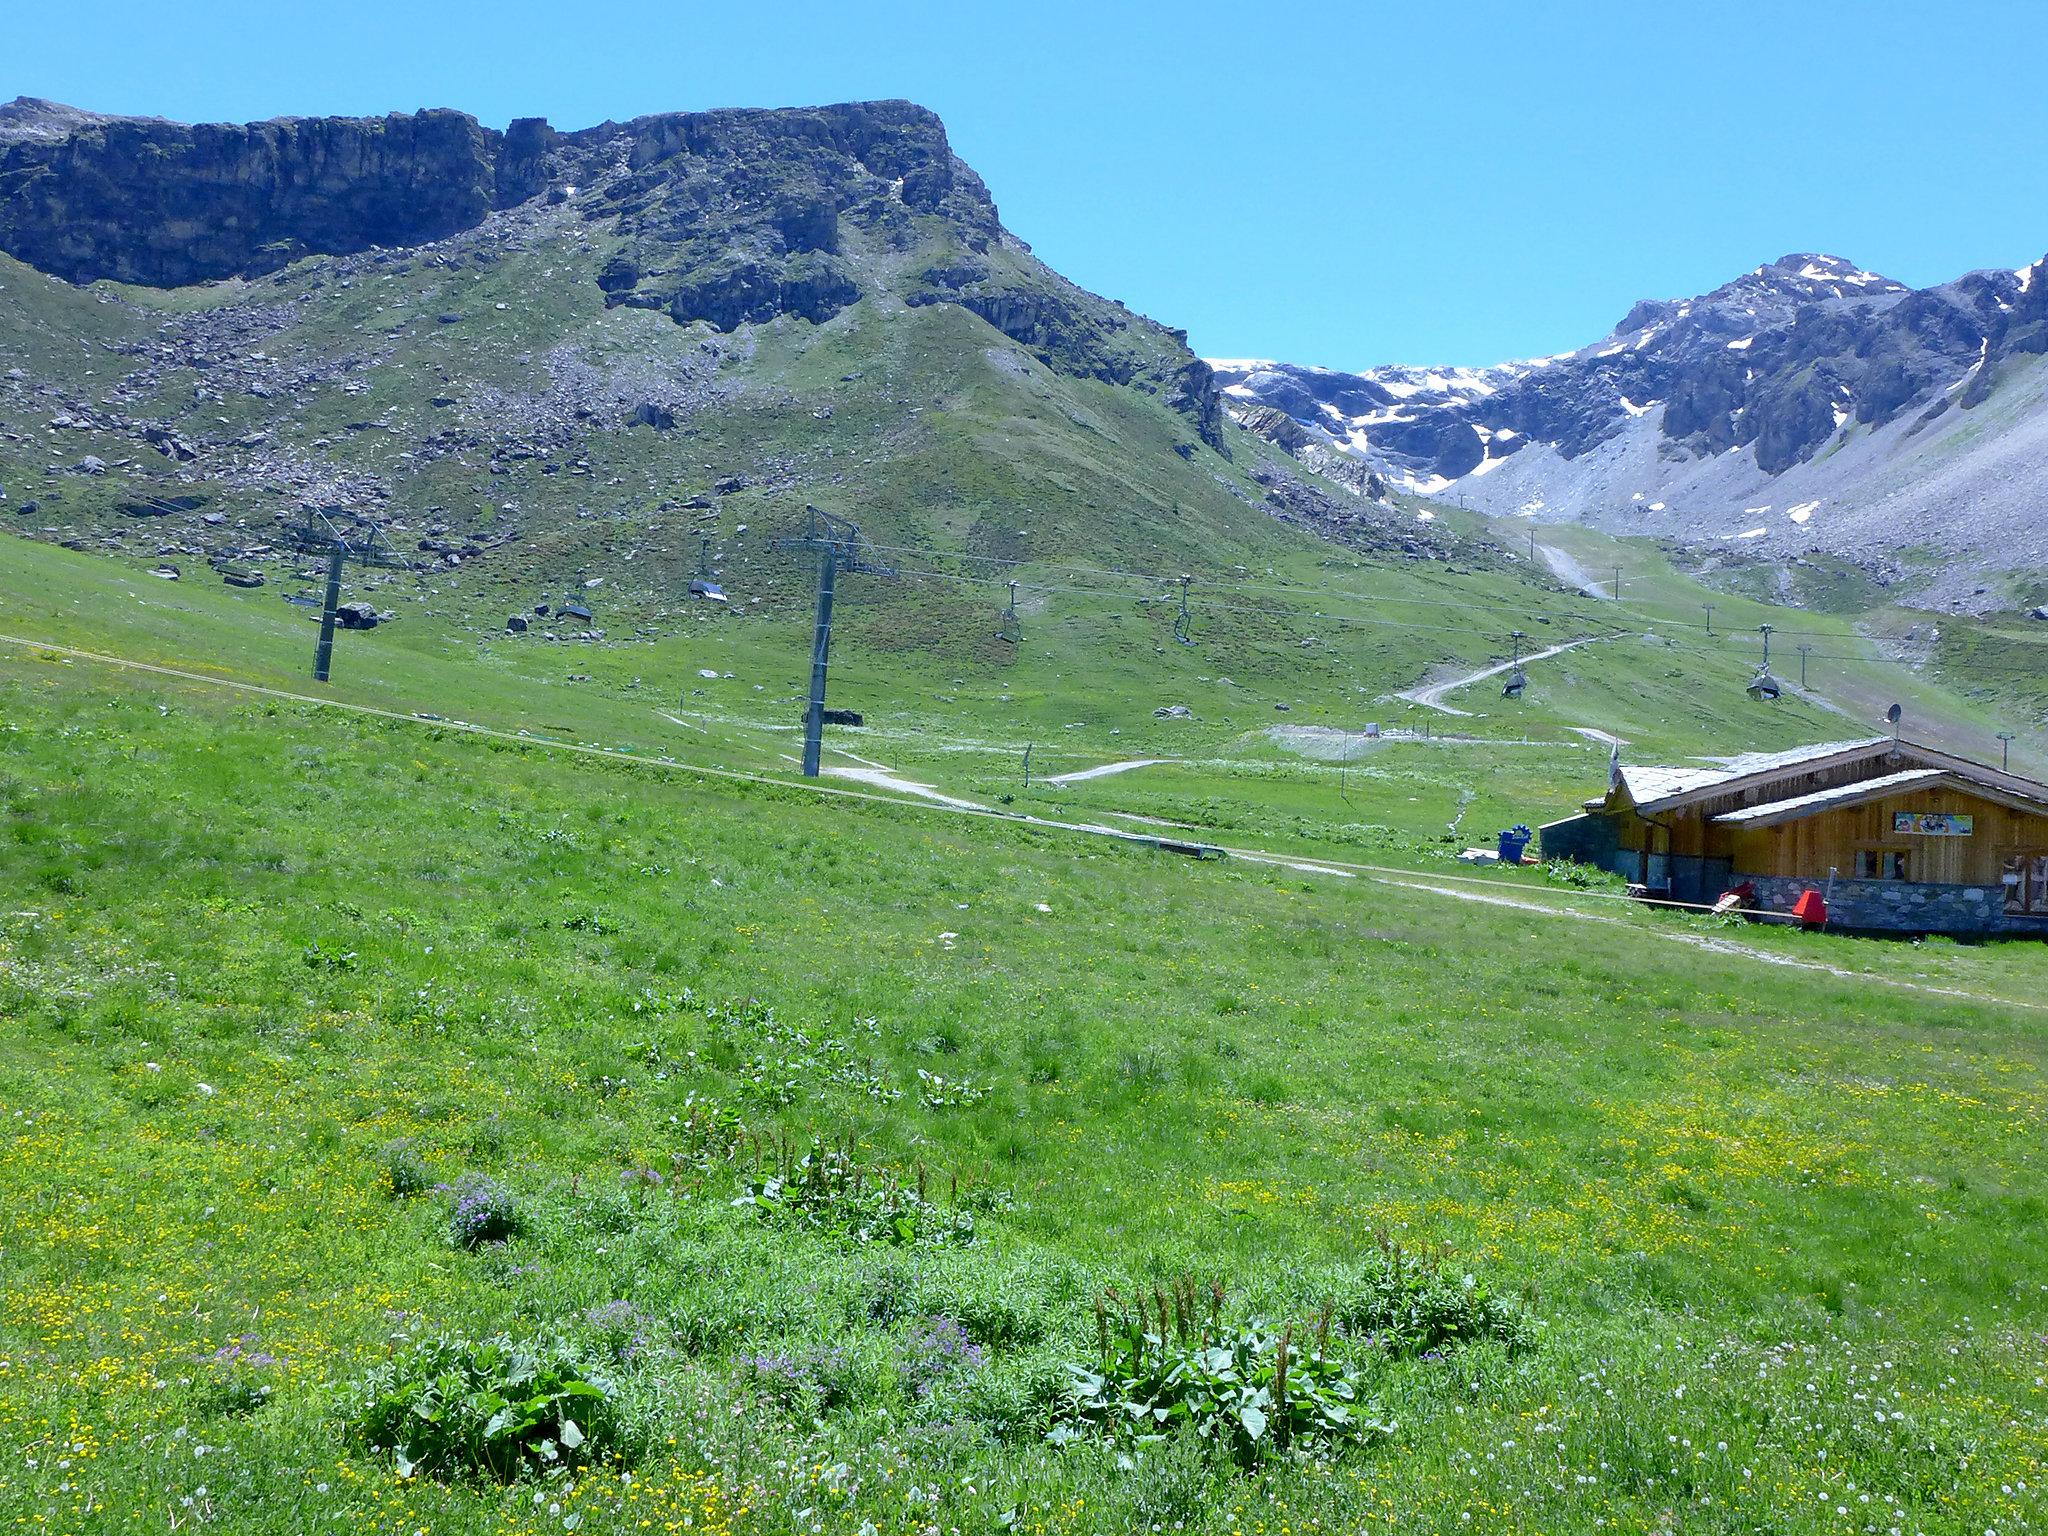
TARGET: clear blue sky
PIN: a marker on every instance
(1343, 184)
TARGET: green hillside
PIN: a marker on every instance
(1602, 1231)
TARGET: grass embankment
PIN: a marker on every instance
(1751, 1248)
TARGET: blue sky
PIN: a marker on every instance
(1345, 184)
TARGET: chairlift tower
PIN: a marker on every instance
(1183, 625)
(1010, 627)
(1517, 678)
(839, 547)
(321, 535)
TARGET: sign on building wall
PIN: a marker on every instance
(1933, 823)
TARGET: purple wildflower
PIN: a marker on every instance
(939, 1349)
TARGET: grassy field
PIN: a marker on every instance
(1605, 1230)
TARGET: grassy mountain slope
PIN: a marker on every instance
(250, 944)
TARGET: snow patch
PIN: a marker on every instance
(1803, 511)
(1741, 346)
(1637, 410)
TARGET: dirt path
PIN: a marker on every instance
(1106, 769)
(1431, 695)
(882, 778)
(1565, 568)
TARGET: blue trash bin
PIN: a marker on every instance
(1513, 842)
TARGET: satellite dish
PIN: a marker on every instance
(1892, 715)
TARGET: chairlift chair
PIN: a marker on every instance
(1764, 686)
(705, 583)
(1183, 625)
(1518, 680)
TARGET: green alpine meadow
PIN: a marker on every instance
(687, 848)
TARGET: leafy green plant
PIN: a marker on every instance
(1163, 1368)
(447, 1406)
(828, 1190)
(404, 1170)
(1415, 1302)
(937, 1092)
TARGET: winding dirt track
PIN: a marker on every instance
(1431, 695)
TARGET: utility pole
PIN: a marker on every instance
(1710, 617)
(320, 534)
(1027, 764)
(2005, 751)
(1617, 583)
(1805, 650)
(838, 546)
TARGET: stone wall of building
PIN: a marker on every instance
(1898, 906)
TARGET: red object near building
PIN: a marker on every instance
(1810, 909)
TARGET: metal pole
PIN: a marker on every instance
(2005, 751)
(1617, 583)
(1710, 616)
(821, 646)
(1027, 765)
(1804, 650)
(325, 652)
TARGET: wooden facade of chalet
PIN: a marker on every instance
(1899, 835)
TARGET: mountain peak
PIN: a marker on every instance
(33, 117)
(1814, 274)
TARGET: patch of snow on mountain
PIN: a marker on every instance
(1802, 512)
(1741, 346)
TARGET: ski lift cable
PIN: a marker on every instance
(1321, 617)
(1280, 584)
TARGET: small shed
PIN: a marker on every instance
(1901, 836)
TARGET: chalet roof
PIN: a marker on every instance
(1866, 790)
(1651, 788)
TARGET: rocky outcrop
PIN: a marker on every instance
(163, 203)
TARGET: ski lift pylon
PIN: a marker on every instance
(1182, 624)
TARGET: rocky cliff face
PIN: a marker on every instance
(1807, 405)
(168, 204)
(729, 218)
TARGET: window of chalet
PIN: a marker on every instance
(2025, 878)
(1881, 864)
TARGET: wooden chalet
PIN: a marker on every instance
(1897, 836)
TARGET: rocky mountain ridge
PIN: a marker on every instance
(729, 217)
(1806, 406)
(643, 351)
